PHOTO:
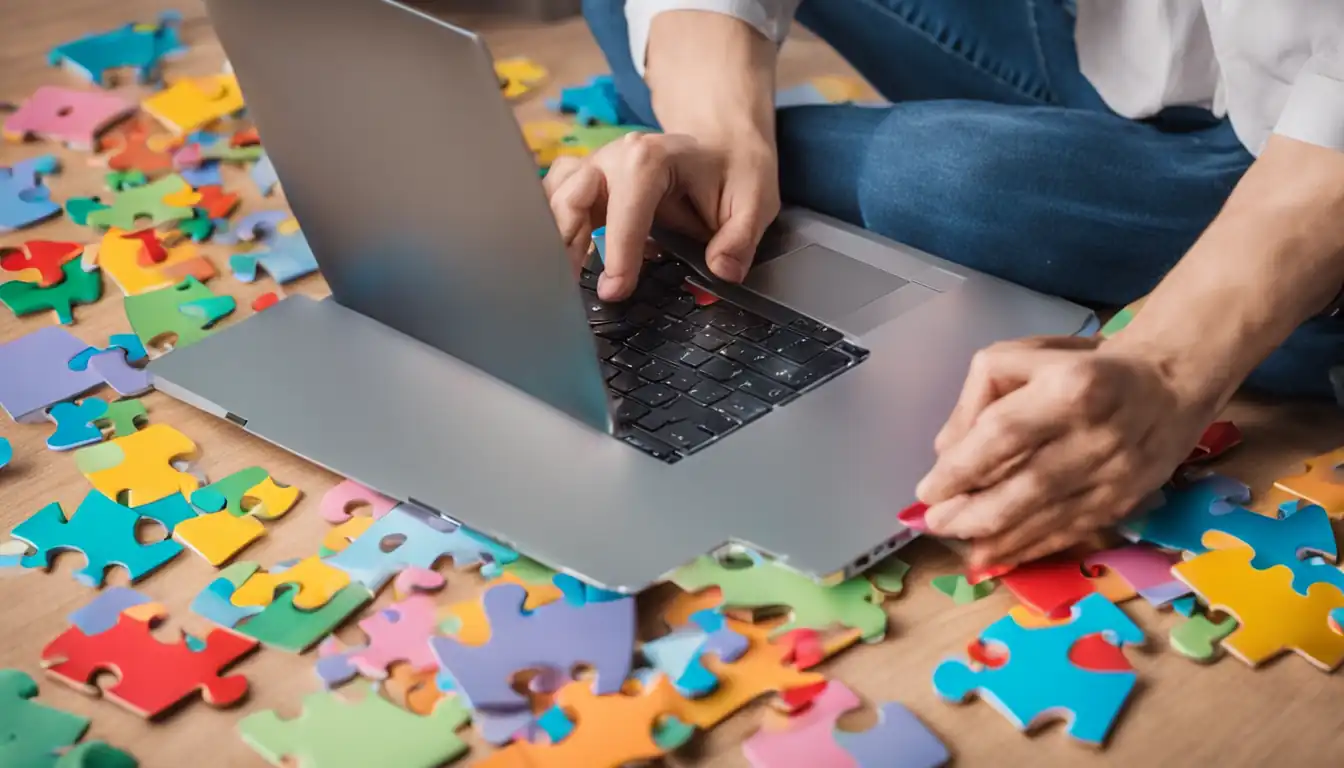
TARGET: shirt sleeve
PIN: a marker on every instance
(770, 17)
(1314, 112)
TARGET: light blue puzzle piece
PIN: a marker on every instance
(6, 452)
(1038, 679)
(168, 511)
(593, 103)
(673, 653)
(203, 175)
(263, 175)
(135, 350)
(24, 199)
(103, 530)
(141, 46)
(600, 241)
(211, 310)
(74, 424)
(215, 602)
(102, 613)
(261, 226)
(286, 258)
(1185, 606)
(577, 592)
(1185, 514)
(556, 724)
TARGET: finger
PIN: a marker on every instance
(730, 252)
(1055, 527)
(995, 510)
(572, 205)
(639, 177)
(559, 172)
(1053, 543)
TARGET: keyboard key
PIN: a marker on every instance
(671, 272)
(720, 369)
(781, 340)
(804, 350)
(695, 357)
(778, 368)
(821, 333)
(735, 321)
(609, 371)
(655, 419)
(654, 395)
(645, 341)
(711, 421)
(649, 444)
(643, 314)
(682, 381)
(628, 411)
(745, 354)
(618, 331)
(679, 331)
(605, 349)
(763, 388)
(818, 368)
(601, 312)
(710, 340)
(656, 371)
(629, 359)
(625, 382)
(680, 306)
(707, 392)
(588, 280)
(758, 333)
(684, 436)
(741, 406)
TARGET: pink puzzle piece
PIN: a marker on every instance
(398, 633)
(808, 738)
(64, 114)
(1146, 569)
(336, 503)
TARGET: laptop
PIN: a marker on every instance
(460, 368)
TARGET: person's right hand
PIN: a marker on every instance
(724, 195)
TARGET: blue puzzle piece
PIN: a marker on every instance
(1185, 606)
(103, 530)
(578, 593)
(203, 175)
(24, 199)
(1185, 514)
(74, 424)
(1038, 679)
(556, 724)
(141, 46)
(255, 226)
(600, 241)
(101, 613)
(129, 342)
(286, 258)
(590, 104)
(263, 175)
(168, 511)
(6, 452)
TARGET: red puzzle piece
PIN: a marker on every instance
(45, 256)
(216, 202)
(245, 138)
(152, 251)
(151, 676)
(1218, 438)
(702, 297)
(1050, 586)
(803, 648)
(983, 655)
(800, 696)
(1094, 653)
(135, 146)
(265, 301)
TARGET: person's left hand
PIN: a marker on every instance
(1054, 438)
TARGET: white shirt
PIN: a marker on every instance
(1271, 66)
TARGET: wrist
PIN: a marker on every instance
(1198, 379)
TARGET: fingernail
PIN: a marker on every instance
(608, 288)
(942, 513)
(728, 268)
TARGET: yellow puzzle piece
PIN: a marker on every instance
(1272, 617)
(519, 75)
(121, 258)
(840, 89)
(1322, 484)
(218, 536)
(140, 465)
(317, 581)
(546, 140)
(340, 536)
(272, 500)
(474, 627)
(194, 103)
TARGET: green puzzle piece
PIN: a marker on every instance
(124, 417)
(595, 137)
(95, 754)
(889, 575)
(955, 586)
(224, 153)
(333, 732)
(30, 733)
(284, 627)
(1196, 637)
(77, 287)
(143, 202)
(530, 571)
(97, 458)
(79, 208)
(763, 583)
(119, 181)
(158, 313)
(227, 493)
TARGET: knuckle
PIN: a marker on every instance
(1033, 486)
(643, 150)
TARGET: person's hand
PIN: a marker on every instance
(725, 193)
(1052, 439)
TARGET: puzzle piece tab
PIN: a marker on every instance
(39, 261)
(124, 417)
(126, 260)
(317, 583)
(1196, 637)
(75, 424)
(338, 502)
(1322, 484)
(140, 465)
(191, 104)
(159, 315)
(143, 204)
(137, 146)
(141, 46)
(398, 633)
(253, 484)
(32, 732)
(71, 116)
(78, 286)
(102, 530)
(24, 199)
(286, 258)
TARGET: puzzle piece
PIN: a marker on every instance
(24, 199)
(212, 199)
(519, 75)
(125, 261)
(286, 258)
(765, 584)
(889, 575)
(1197, 637)
(1146, 570)
(1322, 484)
(141, 46)
(78, 287)
(1272, 618)
(71, 116)
(35, 374)
(1038, 679)
(144, 471)
(398, 633)
(219, 536)
(79, 208)
(1051, 586)
(102, 530)
(124, 417)
(6, 452)
(316, 580)
(587, 139)
(126, 342)
(200, 227)
(157, 315)
(264, 176)
(95, 754)
(74, 424)
(137, 146)
(119, 181)
(103, 612)
(259, 226)
(193, 103)
(591, 104)
(152, 676)
(145, 204)
(231, 493)
(279, 625)
(39, 261)
(31, 733)
(962, 592)
(555, 636)
(406, 538)
(1184, 514)
(333, 732)
(338, 502)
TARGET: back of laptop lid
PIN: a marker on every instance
(412, 183)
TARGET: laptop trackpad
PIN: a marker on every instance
(821, 283)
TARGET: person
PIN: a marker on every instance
(1092, 149)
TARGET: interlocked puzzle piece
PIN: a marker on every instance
(139, 465)
(113, 364)
(126, 342)
(811, 738)
(336, 733)
(338, 502)
(1146, 570)
(1197, 637)
(1038, 680)
(253, 483)
(75, 424)
(126, 260)
(119, 181)
(258, 226)
(191, 104)
(219, 536)
(200, 226)
(102, 530)
(962, 592)
(31, 732)
(767, 584)
(138, 146)
(157, 315)
(102, 612)
(556, 636)
(1322, 484)
(67, 115)
(678, 655)
(1272, 618)
(406, 538)
(143, 203)
(286, 258)
(35, 373)
(152, 676)
(1051, 586)
(24, 199)
(79, 286)
(124, 417)
(141, 46)
(591, 104)
(518, 75)
(79, 208)
(211, 198)
(398, 633)
(1185, 514)
(39, 261)
(317, 583)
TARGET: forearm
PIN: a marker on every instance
(1273, 258)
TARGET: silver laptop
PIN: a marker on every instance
(458, 367)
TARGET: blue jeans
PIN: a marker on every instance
(998, 154)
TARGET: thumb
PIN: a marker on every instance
(733, 248)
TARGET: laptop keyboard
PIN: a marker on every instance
(684, 376)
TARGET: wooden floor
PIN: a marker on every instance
(1183, 714)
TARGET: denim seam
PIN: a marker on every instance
(1040, 51)
(962, 57)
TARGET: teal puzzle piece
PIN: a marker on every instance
(227, 493)
(135, 351)
(103, 530)
(141, 46)
(1039, 679)
(1185, 514)
(75, 424)
(31, 733)
(168, 511)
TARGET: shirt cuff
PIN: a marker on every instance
(639, 17)
(1314, 112)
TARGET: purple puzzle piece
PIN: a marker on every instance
(254, 227)
(899, 740)
(101, 613)
(500, 728)
(556, 636)
(35, 373)
(126, 379)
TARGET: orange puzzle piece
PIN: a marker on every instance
(135, 146)
(413, 689)
(1322, 484)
